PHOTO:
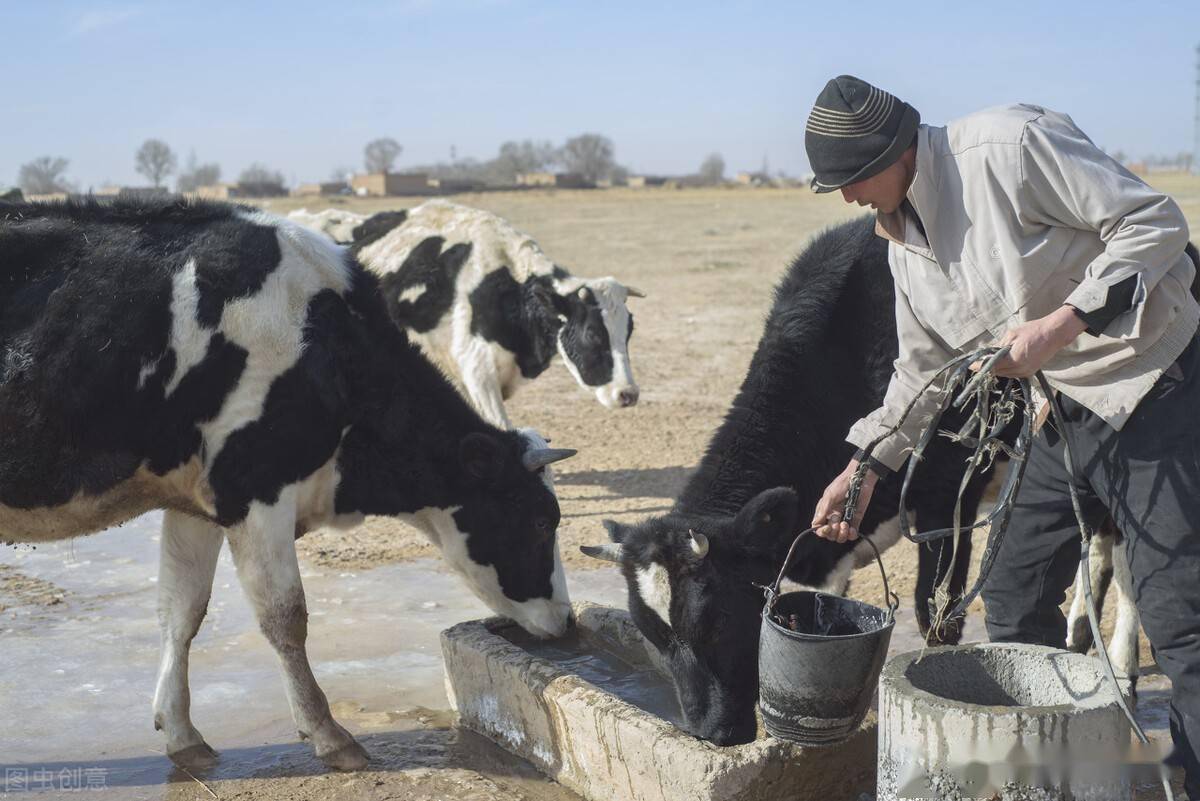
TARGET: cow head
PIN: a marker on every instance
(594, 337)
(695, 594)
(500, 532)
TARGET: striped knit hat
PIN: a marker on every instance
(855, 131)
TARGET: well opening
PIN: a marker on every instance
(1000, 676)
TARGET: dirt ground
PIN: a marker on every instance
(707, 260)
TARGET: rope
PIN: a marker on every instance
(995, 406)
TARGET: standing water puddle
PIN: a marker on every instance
(77, 676)
(79, 657)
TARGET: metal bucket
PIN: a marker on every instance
(819, 658)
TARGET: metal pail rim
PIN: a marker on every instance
(888, 624)
(890, 598)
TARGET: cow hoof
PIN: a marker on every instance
(350, 756)
(1080, 640)
(200, 755)
(949, 633)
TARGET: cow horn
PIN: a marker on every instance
(538, 458)
(634, 292)
(699, 544)
(609, 552)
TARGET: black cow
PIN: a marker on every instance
(694, 574)
(241, 373)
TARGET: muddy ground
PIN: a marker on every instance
(707, 260)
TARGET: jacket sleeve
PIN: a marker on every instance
(1067, 181)
(922, 354)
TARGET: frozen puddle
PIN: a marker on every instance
(77, 678)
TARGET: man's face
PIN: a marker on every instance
(883, 191)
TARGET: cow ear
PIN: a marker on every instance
(768, 515)
(482, 456)
(546, 303)
(616, 531)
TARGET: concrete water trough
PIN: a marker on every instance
(1000, 721)
(592, 712)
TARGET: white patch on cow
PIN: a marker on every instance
(188, 339)
(315, 495)
(654, 588)
(885, 535)
(477, 369)
(411, 294)
(147, 370)
(1123, 648)
(269, 324)
(337, 224)
(542, 617)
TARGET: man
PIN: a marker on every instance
(1010, 227)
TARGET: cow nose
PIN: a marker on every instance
(627, 397)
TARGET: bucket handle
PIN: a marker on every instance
(890, 599)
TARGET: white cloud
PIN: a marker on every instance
(98, 18)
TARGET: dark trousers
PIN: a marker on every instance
(1147, 476)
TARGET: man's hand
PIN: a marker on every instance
(1034, 343)
(833, 501)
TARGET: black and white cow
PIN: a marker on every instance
(483, 300)
(337, 224)
(241, 373)
(695, 574)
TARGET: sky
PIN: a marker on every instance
(302, 86)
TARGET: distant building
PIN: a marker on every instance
(641, 181)
(140, 192)
(318, 189)
(753, 178)
(217, 192)
(446, 186)
(561, 180)
(52, 196)
(382, 184)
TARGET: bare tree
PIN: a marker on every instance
(381, 154)
(155, 161)
(196, 175)
(44, 175)
(591, 155)
(341, 174)
(257, 180)
(712, 171)
(524, 156)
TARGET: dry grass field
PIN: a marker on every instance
(707, 260)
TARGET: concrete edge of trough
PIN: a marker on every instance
(609, 750)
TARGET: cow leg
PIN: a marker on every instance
(1100, 569)
(187, 559)
(265, 555)
(482, 382)
(1123, 649)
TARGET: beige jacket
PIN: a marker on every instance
(1023, 214)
